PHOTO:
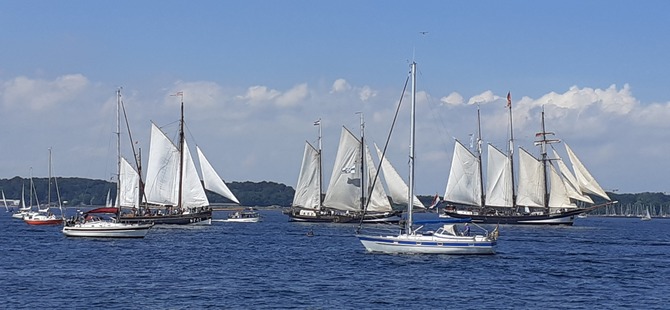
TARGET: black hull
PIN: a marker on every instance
(203, 217)
(563, 218)
(295, 215)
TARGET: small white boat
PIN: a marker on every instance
(248, 215)
(94, 226)
(647, 216)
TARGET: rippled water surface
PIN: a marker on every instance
(600, 263)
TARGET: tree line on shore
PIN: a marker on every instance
(76, 191)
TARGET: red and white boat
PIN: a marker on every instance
(42, 218)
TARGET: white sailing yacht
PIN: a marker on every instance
(445, 240)
(91, 224)
(45, 216)
(545, 195)
(173, 192)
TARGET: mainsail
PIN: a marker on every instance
(212, 180)
(129, 189)
(531, 181)
(498, 179)
(162, 169)
(344, 189)
(308, 190)
(396, 186)
(464, 184)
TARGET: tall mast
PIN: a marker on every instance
(118, 150)
(482, 201)
(363, 184)
(181, 150)
(49, 190)
(318, 122)
(410, 200)
(542, 142)
(510, 151)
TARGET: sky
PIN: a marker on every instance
(256, 75)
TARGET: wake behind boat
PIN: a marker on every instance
(411, 240)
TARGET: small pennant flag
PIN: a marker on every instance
(509, 100)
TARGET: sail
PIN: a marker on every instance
(108, 200)
(378, 201)
(398, 189)
(558, 196)
(212, 180)
(498, 179)
(464, 183)
(129, 195)
(587, 183)
(5, 201)
(344, 189)
(531, 181)
(193, 194)
(162, 169)
(307, 190)
(570, 181)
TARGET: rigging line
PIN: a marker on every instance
(388, 138)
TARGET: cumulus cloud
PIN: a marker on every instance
(257, 94)
(293, 96)
(340, 85)
(366, 93)
(39, 95)
(484, 97)
(452, 99)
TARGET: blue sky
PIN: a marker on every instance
(256, 74)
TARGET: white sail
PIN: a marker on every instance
(4, 201)
(193, 194)
(378, 201)
(162, 169)
(531, 181)
(212, 180)
(558, 196)
(498, 179)
(464, 184)
(395, 184)
(108, 200)
(129, 195)
(344, 189)
(587, 183)
(307, 190)
(570, 181)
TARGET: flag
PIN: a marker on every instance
(317, 123)
(181, 93)
(509, 100)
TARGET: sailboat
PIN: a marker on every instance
(44, 216)
(352, 186)
(173, 193)
(545, 194)
(92, 223)
(646, 216)
(23, 210)
(411, 240)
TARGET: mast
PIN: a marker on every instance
(510, 151)
(482, 201)
(363, 185)
(410, 203)
(118, 151)
(542, 142)
(318, 122)
(49, 189)
(181, 151)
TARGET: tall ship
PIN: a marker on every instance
(546, 191)
(354, 193)
(173, 193)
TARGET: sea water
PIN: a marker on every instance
(599, 263)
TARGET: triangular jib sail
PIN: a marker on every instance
(212, 180)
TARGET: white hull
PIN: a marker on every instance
(18, 215)
(242, 220)
(107, 230)
(427, 244)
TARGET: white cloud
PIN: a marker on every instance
(293, 96)
(484, 97)
(340, 85)
(40, 95)
(257, 94)
(366, 93)
(452, 99)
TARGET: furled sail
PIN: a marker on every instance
(212, 180)
(531, 185)
(464, 183)
(307, 190)
(498, 179)
(398, 189)
(586, 181)
(344, 189)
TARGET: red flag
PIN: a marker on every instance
(509, 100)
